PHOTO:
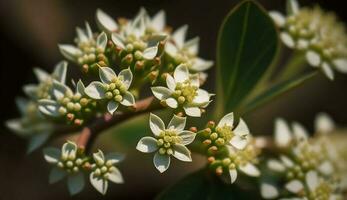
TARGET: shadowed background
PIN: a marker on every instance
(30, 31)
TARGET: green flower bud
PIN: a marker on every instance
(79, 161)
(60, 165)
(169, 151)
(214, 136)
(162, 151)
(109, 95)
(167, 139)
(138, 55)
(181, 99)
(62, 110)
(129, 48)
(84, 101)
(167, 145)
(109, 163)
(65, 100)
(112, 86)
(70, 106)
(69, 164)
(97, 172)
(220, 141)
(76, 97)
(232, 166)
(106, 86)
(75, 169)
(104, 169)
(116, 92)
(122, 88)
(160, 142)
(106, 176)
(63, 157)
(77, 107)
(226, 161)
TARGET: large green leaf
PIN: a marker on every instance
(204, 185)
(276, 91)
(247, 45)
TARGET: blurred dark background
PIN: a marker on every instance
(29, 33)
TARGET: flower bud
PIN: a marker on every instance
(78, 161)
(77, 107)
(75, 169)
(109, 95)
(109, 163)
(84, 101)
(70, 106)
(210, 124)
(69, 164)
(169, 151)
(214, 136)
(138, 55)
(112, 86)
(104, 169)
(97, 172)
(116, 92)
(219, 170)
(220, 141)
(60, 165)
(160, 142)
(118, 98)
(181, 99)
(162, 151)
(62, 110)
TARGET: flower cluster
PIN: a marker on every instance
(230, 149)
(168, 141)
(306, 167)
(317, 33)
(70, 161)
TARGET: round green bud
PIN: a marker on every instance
(100, 162)
(62, 110)
(60, 165)
(77, 107)
(138, 55)
(65, 100)
(232, 166)
(76, 97)
(111, 169)
(160, 142)
(118, 98)
(220, 141)
(167, 145)
(112, 86)
(226, 161)
(122, 88)
(69, 164)
(63, 157)
(104, 169)
(84, 101)
(181, 99)
(70, 106)
(109, 95)
(167, 139)
(162, 151)
(109, 163)
(116, 92)
(177, 93)
(106, 86)
(97, 172)
(91, 57)
(214, 136)
(169, 152)
(72, 157)
(79, 161)
(75, 169)
(129, 48)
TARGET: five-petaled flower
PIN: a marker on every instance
(113, 88)
(167, 141)
(67, 161)
(103, 170)
(183, 92)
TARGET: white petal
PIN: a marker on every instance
(302, 44)
(192, 46)
(171, 102)
(181, 152)
(156, 124)
(147, 145)
(195, 80)
(49, 107)
(95, 90)
(227, 120)
(341, 65)
(161, 93)
(106, 74)
(117, 40)
(276, 165)
(158, 21)
(181, 73)
(31, 90)
(187, 137)
(233, 175)
(312, 180)
(328, 71)
(81, 34)
(99, 184)
(59, 72)
(200, 64)
(52, 155)
(101, 41)
(238, 142)
(287, 161)
(313, 58)
(114, 157)
(41, 75)
(201, 98)
(292, 7)
(192, 111)
(294, 186)
(324, 123)
(150, 53)
(112, 106)
(326, 168)
(241, 129)
(128, 99)
(250, 170)
(99, 156)
(161, 162)
(69, 148)
(59, 90)
(177, 123)
(105, 22)
(287, 40)
(127, 77)
(171, 49)
(115, 176)
(278, 18)
(170, 82)
(282, 133)
(268, 191)
(300, 133)
(70, 52)
(180, 35)
(89, 31)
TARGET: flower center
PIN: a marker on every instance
(103, 170)
(185, 92)
(43, 90)
(323, 191)
(115, 90)
(166, 139)
(71, 164)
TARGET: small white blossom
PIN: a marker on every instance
(318, 34)
(112, 88)
(66, 161)
(183, 92)
(167, 141)
(104, 170)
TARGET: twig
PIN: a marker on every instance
(89, 133)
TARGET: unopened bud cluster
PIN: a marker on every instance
(102, 169)
(167, 138)
(71, 163)
(91, 57)
(115, 90)
(185, 92)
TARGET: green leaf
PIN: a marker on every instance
(247, 45)
(203, 185)
(277, 90)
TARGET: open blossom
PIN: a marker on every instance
(168, 141)
(67, 162)
(318, 34)
(103, 170)
(73, 107)
(183, 92)
(112, 88)
(89, 52)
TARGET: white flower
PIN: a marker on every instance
(167, 141)
(105, 22)
(243, 160)
(183, 92)
(319, 34)
(324, 124)
(43, 89)
(66, 161)
(89, 51)
(112, 88)
(104, 170)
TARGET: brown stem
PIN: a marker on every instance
(89, 133)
